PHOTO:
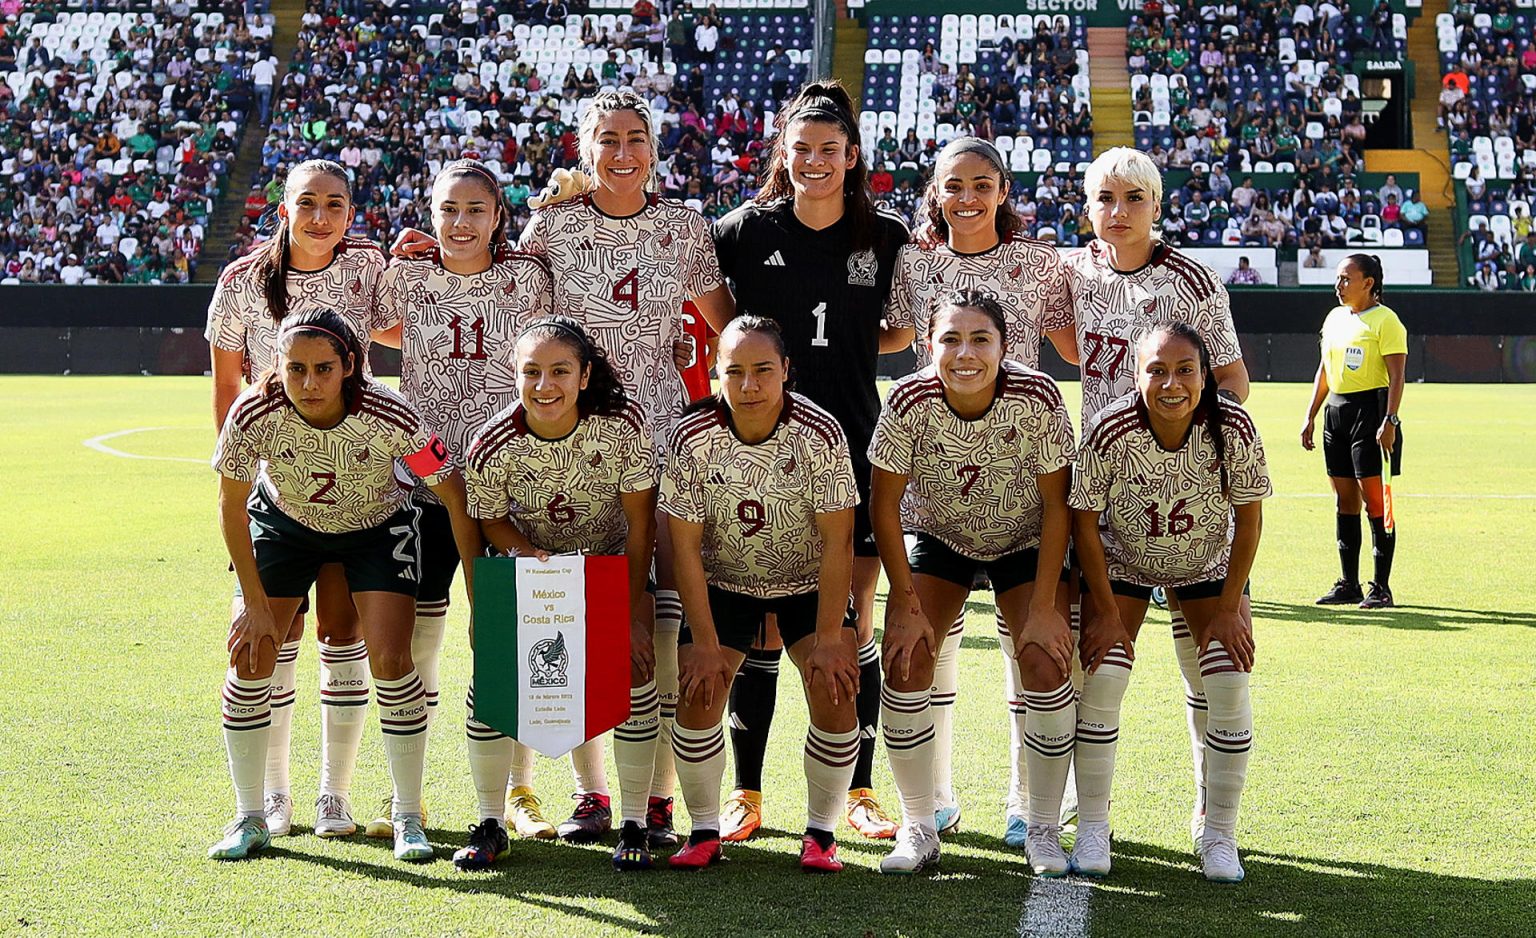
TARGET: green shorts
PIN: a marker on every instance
(385, 559)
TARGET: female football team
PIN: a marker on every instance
(754, 519)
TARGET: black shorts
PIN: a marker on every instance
(933, 557)
(439, 551)
(1206, 589)
(863, 531)
(1350, 422)
(289, 555)
(739, 618)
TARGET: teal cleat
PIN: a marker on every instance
(243, 837)
(1017, 832)
(410, 840)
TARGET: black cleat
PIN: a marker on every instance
(487, 841)
(658, 824)
(591, 820)
(632, 853)
(1344, 593)
(1377, 597)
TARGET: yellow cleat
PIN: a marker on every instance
(383, 826)
(526, 815)
(742, 816)
(866, 816)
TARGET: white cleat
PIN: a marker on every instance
(333, 817)
(916, 847)
(278, 808)
(1218, 857)
(1090, 855)
(1043, 848)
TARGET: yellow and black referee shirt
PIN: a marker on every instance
(1354, 345)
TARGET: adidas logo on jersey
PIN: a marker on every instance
(775, 260)
(286, 454)
(716, 478)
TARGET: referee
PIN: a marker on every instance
(1364, 356)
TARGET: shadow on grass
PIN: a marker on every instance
(1413, 617)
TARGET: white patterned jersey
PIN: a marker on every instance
(1165, 520)
(625, 280)
(564, 495)
(336, 480)
(458, 337)
(971, 483)
(1113, 309)
(1027, 277)
(758, 502)
(238, 319)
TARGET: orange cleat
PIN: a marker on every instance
(742, 816)
(696, 856)
(813, 859)
(865, 815)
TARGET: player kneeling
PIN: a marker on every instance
(981, 448)
(319, 440)
(759, 494)
(1172, 476)
(569, 468)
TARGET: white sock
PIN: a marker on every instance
(490, 762)
(284, 687)
(1013, 686)
(343, 711)
(587, 766)
(700, 767)
(403, 718)
(1050, 733)
(247, 713)
(1098, 731)
(907, 719)
(946, 681)
(664, 776)
(1195, 707)
(1229, 737)
(522, 766)
(427, 645)
(829, 758)
(634, 751)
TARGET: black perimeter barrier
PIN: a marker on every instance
(1454, 335)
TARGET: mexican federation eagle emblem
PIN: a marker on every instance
(547, 662)
(862, 266)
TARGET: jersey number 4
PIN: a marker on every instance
(627, 290)
(476, 334)
(1106, 353)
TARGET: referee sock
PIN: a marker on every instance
(1050, 731)
(664, 776)
(909, 735)
(754, 694)
(829, 759)
(426, 645)
(946, 681)
(587, 766)
(1347, 530)
(1229, 737)
(700, 767)
(867, 704)
(1098, 731)
(343, 708)
(1195, 707)
(634, 751)
(247, 717)
(403, 718)
(284, 682)
(490, 762)
(1383, 546)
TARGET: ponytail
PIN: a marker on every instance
(824, 102)
(271, 267)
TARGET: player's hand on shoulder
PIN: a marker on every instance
(563, 184)
(412, 243)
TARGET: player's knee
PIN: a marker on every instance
(390, 664)
(1039, 669)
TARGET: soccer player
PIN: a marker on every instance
(1123, 284)
(569, 467)
(1167, 493)
(759, 493)
(319, 440)
(976, 242)
(812, 253)
(980, 446)
(309, 263)
(455, 314)
(1365, 355)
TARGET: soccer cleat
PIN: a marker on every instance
(333, 817)
(1218, 857)
(916, 847)
(633, 852)
(1197, 826)
(1016, 835)
(526, 815)
(815, 859)
(383, 826)
(410, 840)
(1044, 851)
(696, 856)
(865, 815)
(1090, 854)
(658, 824)
(742, 816)
(592, 819)
(487, 841)
(278, 808)
(1344, 593)
(946, 819)
(1377, 596)
(243, 837)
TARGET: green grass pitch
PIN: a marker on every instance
(1389, 792)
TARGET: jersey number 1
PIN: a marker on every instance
(476, 332)
(820, 312)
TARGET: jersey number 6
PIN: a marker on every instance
(753, 517)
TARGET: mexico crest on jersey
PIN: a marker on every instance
(862, 266)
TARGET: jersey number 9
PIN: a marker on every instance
(753, 517)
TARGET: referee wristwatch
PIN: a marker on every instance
(1394, 420)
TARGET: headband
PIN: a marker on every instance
(475, 168)
(962, 145)
(824, 109)
(581, 338)
(310, 327)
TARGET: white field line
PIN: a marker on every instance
(1056, 908)
(99, 444)
(1450, 495)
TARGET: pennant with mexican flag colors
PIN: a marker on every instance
(552, 648)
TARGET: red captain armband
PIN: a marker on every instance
(429, 459)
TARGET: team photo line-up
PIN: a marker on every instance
(555, 398)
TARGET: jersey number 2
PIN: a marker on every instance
(627, 290)
(322, 495)
(476, 332)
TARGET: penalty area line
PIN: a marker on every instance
(1056, 908)
(1511, 496)
(99, 444)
